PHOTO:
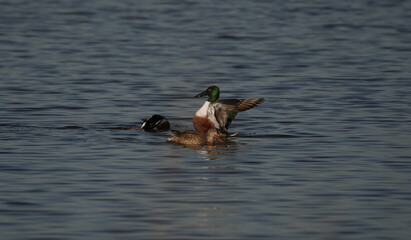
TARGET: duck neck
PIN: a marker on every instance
(210, 138)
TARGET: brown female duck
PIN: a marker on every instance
(195, 138)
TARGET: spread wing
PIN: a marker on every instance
(224, 111)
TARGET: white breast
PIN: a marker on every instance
(202, 112)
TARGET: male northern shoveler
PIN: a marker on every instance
(219, 114)
(155, 121)
(195, 138)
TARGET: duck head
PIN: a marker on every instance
(155, 121)
(212, 135)
(213, 93)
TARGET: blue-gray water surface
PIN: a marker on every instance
(326, 156)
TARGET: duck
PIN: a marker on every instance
(158, 122)
(155, 122)
(218, 114)
(195, 137)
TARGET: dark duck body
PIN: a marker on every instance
(155, 122)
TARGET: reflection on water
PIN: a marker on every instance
(211, 152)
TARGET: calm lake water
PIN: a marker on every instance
(326, 156)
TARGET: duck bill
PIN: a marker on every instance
(201, 94)
(219, 139)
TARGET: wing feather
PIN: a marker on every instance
(245, 104)
(222, 112)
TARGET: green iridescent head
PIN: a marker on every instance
(213, 93)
